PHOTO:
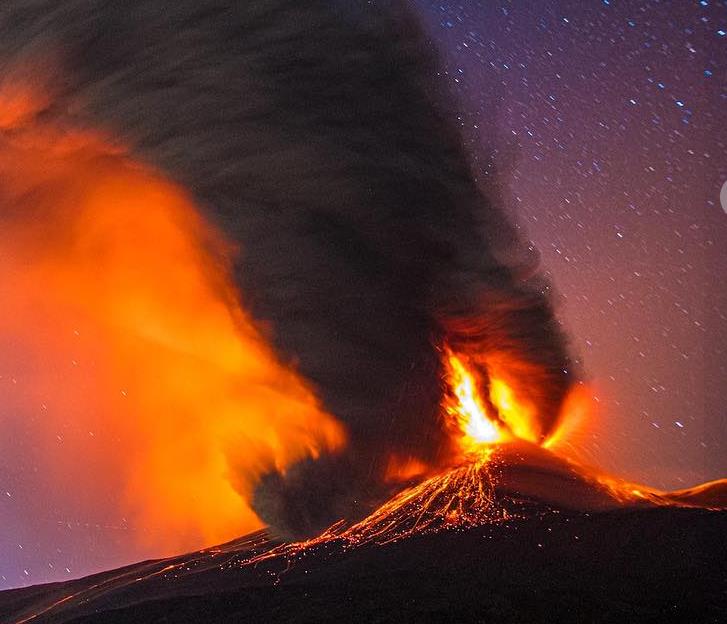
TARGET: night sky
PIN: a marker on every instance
(609, 119)
(606, 121)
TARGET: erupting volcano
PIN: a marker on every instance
(255, 283)
(498, 481)
(496, 476)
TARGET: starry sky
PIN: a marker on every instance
(608, 120)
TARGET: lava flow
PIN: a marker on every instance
(497, 478)
(497, 475)
(464, 495)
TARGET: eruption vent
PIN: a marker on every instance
(498, 477)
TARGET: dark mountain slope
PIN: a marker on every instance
(646, 565)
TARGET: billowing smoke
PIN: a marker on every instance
(316, 137)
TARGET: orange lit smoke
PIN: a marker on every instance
(140, 381)
(401, 468)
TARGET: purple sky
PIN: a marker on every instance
(614, 116)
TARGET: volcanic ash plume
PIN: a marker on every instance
(312, 135)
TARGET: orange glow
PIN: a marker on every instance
(518, 417)
(475, 428)
(578, 411)
(474, 425)
(18, 102)
(143, 385)
(512, 387)
(399, 469)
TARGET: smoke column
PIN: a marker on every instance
(315, 137)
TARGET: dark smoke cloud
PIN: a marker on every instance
(314, 133)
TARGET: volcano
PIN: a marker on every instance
(255, 283)
(517, 534)
(510, 530)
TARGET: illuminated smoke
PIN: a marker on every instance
(141, 385)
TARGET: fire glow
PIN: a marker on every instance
(469, 493)
(128, 366)
(478, 421)
(126, 345)
(476, 427)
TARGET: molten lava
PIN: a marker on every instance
(500, 475)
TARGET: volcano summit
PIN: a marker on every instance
(513, 532)
(474, 544)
